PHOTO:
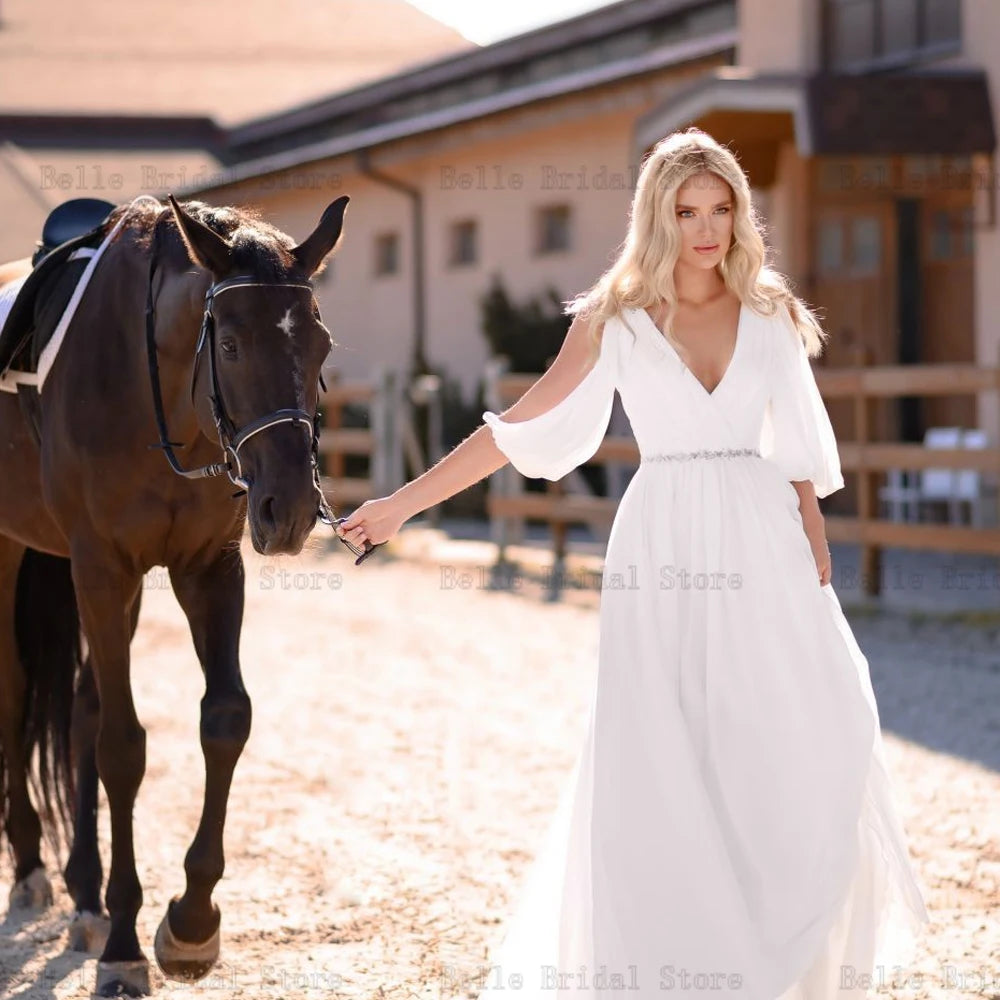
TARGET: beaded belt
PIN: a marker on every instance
(683, 456)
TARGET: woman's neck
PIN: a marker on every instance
(697, 287)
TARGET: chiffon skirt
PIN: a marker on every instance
(728, 827)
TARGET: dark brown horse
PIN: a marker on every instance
(223, 391)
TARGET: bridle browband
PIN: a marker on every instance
(231, 438)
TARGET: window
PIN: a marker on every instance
(866, 244)
(463, 249)
(386, 253)
(849, 246)
(553, 229)
(950, 236)
(899, 26)
(860, 32)
(942, 21)
(830, 248)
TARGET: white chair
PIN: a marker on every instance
(970, 486)
(939, 485)
(901, 495)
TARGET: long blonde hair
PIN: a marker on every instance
(643, 274)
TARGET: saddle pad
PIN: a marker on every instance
(16, 365)
(20, 372)
(8, 293)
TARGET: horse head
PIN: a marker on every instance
(256, 378)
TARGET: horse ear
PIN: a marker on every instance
(313, 251)
(205, 246)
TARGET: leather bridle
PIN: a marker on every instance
(231, 438)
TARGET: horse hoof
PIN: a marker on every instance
(116, 979)
(33, 892)
(89, 932)
(185, 960)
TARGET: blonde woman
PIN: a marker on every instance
(729, 826)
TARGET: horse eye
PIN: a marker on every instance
(229, 347)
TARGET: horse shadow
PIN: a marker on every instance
(22, 931)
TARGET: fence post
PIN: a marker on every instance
(426, 391)
(871, 552)
(381, 427)
(396, 410)
(334, 420)
(505, 481)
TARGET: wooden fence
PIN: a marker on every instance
(509, 505)
(389, 442)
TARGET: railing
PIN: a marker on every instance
(869, 459)
(508, 505)
(390, 441)
(336, 442)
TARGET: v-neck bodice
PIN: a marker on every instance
(766, 401)
(733, 357)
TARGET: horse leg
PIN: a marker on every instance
(187, 941)
(23, 828)
(106, 593)
(83, 872)
(39, 660)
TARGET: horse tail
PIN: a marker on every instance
(47, 630)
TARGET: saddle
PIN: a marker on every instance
(70, 234)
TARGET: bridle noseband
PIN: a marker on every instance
(231, 438)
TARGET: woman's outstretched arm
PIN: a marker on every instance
(478, 455)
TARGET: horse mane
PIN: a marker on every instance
(259, 247)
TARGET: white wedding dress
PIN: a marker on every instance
(728, 828)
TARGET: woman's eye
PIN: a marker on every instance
(685, 212)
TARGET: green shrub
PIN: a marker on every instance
(529, 334)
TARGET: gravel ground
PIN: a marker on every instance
(413, 728)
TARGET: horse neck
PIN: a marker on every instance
(179, 310)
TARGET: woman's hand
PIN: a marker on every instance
(815, 529)
(375, 521)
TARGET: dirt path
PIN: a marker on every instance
(411, 734)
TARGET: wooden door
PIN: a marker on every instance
(854, 264)
(947, 305)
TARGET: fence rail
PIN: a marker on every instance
(389, 442)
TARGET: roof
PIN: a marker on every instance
(87, 131)
(945, 112)
(205, 56)
(703, 48)
(606, 34)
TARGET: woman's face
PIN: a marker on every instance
(704, 214)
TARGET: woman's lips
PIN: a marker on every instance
(710, 249)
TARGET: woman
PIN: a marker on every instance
(729, 825)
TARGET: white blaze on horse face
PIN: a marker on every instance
(286, 324)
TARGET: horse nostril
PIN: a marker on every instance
(266, 513)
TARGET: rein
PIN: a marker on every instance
(231, 438)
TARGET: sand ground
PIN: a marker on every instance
(412, 731)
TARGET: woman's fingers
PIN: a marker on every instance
(352, 532)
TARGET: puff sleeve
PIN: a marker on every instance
(797, 434)
(555, 442)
